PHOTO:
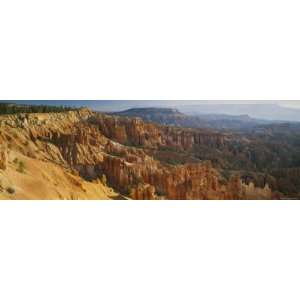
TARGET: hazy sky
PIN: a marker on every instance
(288, 103)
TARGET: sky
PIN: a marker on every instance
(291, 104)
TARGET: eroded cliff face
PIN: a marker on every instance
(135, 132)
(3, 157)
(94, 144)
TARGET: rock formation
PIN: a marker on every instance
(3, 157)
(125, 150)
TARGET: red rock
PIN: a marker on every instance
(3, 157)
(121, 148)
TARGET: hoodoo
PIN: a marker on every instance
(139, 160)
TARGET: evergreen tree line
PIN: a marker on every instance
(10, 108)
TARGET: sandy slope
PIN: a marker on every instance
(46, 180)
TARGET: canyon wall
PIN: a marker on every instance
(95, 144)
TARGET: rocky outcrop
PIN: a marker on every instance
(135, 132)
(3, 157)
(143, 191)
(252, 192)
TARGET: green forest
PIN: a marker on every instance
(12, 108)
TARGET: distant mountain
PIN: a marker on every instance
(266, 110)
(173, 117)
